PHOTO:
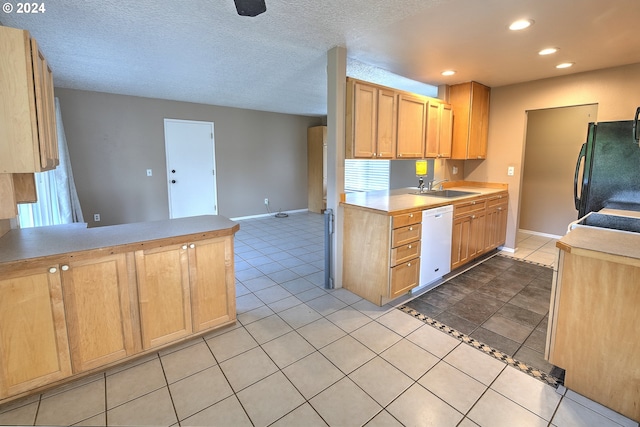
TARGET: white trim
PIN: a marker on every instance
(238, 218)
(536, 233)
(506, 249)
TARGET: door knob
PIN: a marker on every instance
(173, 181)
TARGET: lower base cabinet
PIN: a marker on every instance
(33, 332)
(78, 313)
(98, 310)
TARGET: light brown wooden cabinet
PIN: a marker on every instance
(412, 127)
(593, 320)
(184, 288)
(28, 135)
(34, 348)
(317, 168)
(371, 121)
(469, 222)
(383, 253)
(73, 313)
(470, 103)
(384, 123)
(212, 283)
(496, 231)
(439, 127)
(164, 295)
(98, 304)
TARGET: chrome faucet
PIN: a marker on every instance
(421, 185)
(434, 183)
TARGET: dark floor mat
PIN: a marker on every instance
(499, 306)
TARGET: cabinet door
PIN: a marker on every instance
(163, 292)
(212, 282)
(33, 337)
(461, 241)
(479, 122)
(45, 109)
(478, 226)
(432, 143)
(412, 112)
(365, 119)
(96, 296)
(386, 124)
(446, 129)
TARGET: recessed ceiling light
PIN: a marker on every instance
(448, 73)
(565, 65)
(521, 24)
(548, 51)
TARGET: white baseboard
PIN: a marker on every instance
(506, 249)
(537, 233)
(267, 214)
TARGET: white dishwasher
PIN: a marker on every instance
(435, 250)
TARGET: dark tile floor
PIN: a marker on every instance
(502, 302)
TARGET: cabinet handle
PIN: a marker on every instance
(499, 209)
(53, 270)
(193, 245)
(64, 267)
(473, 217)
(410, 228)
(409, 265)
(399, 155)
(473, 203)
(184, 246)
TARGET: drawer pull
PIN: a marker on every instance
(473, 217)
(499, 209)
(409, 246)
(410, 215)
(53, 270)
(409, 265)
(473, 203)
(410, 228)
(184, 246)
(193, 245)
(64, 268)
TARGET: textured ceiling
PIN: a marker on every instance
(202, 51)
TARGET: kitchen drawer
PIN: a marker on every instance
(405, 253)
(465, 208)
(405, 235)
(406, 219)
(497, 199)
(404, 277)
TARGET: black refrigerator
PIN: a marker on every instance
(611, 171)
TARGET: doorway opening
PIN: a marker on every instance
(553, 140)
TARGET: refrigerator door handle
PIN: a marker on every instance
(576, 200)
(636, 127)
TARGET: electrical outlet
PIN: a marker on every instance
(96, 217)
(266, 201)
(149, 172)
(510, 170)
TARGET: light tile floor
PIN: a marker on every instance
(301, 355)
(535, 248)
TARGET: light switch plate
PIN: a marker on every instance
(149, 172)
(510, 171)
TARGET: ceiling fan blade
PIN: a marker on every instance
(250, 7)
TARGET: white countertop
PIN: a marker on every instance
(30, 243)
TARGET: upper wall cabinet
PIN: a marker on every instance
(28, 135)
(384, 123)
(470, 102)
(439, 127)
(371, 121)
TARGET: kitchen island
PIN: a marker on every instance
(74, 301)
(594, 317)
(383, 230)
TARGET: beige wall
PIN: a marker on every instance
(114, 139)
(615, 90)
(553, 140)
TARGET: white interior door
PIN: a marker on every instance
(190, 151)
